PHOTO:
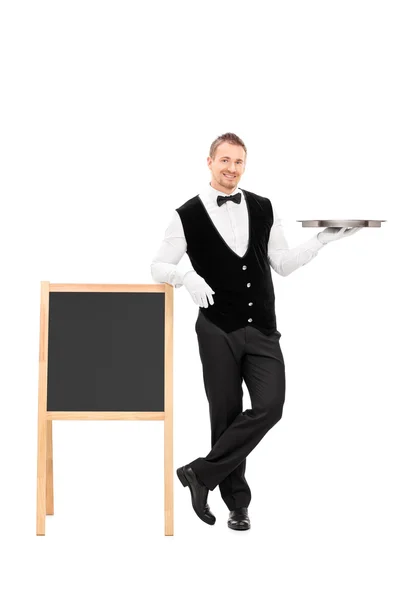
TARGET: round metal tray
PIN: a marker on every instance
(341, 223)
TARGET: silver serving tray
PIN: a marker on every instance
(341, 223)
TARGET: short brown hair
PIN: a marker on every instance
(232, 138)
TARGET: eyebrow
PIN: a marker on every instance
(229, 157)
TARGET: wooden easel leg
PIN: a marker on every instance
(41, 477)
(168, 479)
(42, 408)
(168, 413)
(49, 470)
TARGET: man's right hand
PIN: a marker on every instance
(198, 288)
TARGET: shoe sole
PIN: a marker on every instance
(235, 528)
(185, 483)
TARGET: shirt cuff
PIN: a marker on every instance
(315, 244)
(177, 277)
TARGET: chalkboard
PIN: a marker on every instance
(105, 352)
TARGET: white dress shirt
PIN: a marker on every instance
(232, 222)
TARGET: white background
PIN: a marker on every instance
(108, 110)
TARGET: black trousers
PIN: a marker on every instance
(227, 359)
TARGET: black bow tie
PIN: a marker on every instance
(235, 198)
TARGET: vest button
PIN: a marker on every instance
(249, 320)
(250, 304)
(244, 267)
(249, 284)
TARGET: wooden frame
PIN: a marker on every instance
(45, 493)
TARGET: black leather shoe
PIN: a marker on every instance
(239, 519)
(199, 493)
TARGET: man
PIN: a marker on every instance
(233, 237)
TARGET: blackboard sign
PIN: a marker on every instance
(106, 352)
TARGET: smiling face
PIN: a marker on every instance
(227, 167)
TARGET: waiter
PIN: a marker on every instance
(232, 237)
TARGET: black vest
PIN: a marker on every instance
(244, 292)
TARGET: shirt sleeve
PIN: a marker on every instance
(285, 260)
(171, 250)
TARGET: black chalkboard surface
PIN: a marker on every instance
(105, 353)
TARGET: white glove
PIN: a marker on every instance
(330, 234)
(198, 288)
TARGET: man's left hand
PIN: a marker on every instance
(330, 234)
